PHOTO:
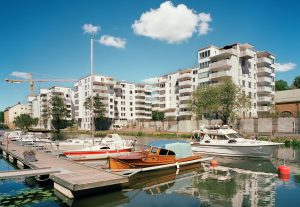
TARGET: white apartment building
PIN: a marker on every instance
(123, 101)
(12, 112)
(250, 69)
(39, 105)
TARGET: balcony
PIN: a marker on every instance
(97, 87)
(224, 54)
(221, 65)
(185, 75)
(185, 113)
(262, 108)
(186, 83)
(184, 106)
(220, 75)
(184, 98)
(248, 54)
(264, 99)
(264, 70)
(264, 79)
(264, 60)
(185, 90)
(264, 89)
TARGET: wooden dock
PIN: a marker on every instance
(71, 179)
(27, 173)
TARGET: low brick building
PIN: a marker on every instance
(288, 103)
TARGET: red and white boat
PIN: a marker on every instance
(109, 146)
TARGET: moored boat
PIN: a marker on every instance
(222, 140)
(156, 153)
(110, 145)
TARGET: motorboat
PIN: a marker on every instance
(223, 140)
(110, 145)
(156, 153)
(12, 135)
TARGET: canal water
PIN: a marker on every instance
(237, 182)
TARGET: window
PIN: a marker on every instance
(163, 152)
(130, 103)
(154, 150)
(249, 84)
(244, 83)
(111, 106)
(111, 100)
(130, 92)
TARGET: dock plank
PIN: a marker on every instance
(72, 175)
(27, 173)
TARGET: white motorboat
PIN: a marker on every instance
(12, 135)
(111, 145)
(222, 140)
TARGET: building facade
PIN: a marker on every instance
(122, 101)
(12, 112)
(288, 103)
(251, 70)
(40, 105)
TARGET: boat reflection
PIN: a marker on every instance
(197, 185)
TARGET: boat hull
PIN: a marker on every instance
(95, 155)
(236, 151)
(129, 162)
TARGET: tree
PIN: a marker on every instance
(223, 99)
(99, 108)
(100, 121)
(24, 121)
(1, 116)
(58, 111)
(158, 116)
(281, 85)
(296, 82)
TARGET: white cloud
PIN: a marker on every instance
(112, 41)
(20, 75)
(172, 24)
(150, 80)
(91, 29)
(204, 23)
(283, 67)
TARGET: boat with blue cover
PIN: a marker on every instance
(156, 153)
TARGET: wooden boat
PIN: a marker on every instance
(156, 153)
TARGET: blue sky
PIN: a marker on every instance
(47, 38)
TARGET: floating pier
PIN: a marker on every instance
(70, 179)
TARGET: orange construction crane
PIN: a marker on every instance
(32, 81)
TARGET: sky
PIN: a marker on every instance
(135, 39)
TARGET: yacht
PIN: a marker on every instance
(223, 140)
(110, 145)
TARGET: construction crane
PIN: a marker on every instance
(32, 81)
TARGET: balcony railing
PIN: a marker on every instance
(264, 79)
(221, 65)
(219, 75)
(264, 89)
(264, 70)
(246, 54)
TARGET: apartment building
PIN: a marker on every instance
(123, 101)
(250, 69)
(39, 106)
(10, 113)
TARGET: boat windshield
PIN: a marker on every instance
(234, 135)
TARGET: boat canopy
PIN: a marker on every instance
(180, 148)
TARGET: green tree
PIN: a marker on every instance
(99, 108)
(296, 82)
(100, 121)
(281, 85)
(58, 112)
(24, 121)
(158, 116)
(223, 99)
(1, 116)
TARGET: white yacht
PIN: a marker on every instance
(222, 140)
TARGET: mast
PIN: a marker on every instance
(92, 91)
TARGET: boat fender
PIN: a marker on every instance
(214, 163)
(177, 165)
(284, 170)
